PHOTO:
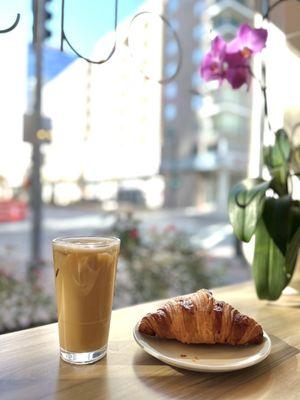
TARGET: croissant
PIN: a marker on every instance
(199, 318)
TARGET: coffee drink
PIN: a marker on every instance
(85, 271)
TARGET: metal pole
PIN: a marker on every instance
(36, 187)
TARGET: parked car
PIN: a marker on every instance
(13, 210)
(131, 197)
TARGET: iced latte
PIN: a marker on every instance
(85, 270)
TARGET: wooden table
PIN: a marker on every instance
(30, 367)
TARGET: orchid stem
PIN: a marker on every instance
(263, 90)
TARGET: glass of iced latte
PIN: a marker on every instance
(85, 270)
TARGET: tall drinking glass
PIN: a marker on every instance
(85, 271)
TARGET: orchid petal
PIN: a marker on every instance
(238, 72)
(250, 38)
(212, 66)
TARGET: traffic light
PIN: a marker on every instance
(46, 19)
(45, 16)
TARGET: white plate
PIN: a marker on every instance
(203, 357)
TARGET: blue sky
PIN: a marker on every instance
(85, 20)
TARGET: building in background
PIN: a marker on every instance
(114, 127)
(205, 128)
(106, 118)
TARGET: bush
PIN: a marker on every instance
(156, 263)
(23, 304)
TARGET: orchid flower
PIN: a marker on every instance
(231, 61)
(248, 41)
(238, 72)
(213, 66)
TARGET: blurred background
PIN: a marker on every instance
(138, 146)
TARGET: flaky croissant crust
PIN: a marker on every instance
(199, 318)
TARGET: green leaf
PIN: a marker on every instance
(296, 159)
(246, 200)
(268, 265)
(294, 218)
(282, 148)
(292, 253)
(277, 159)
(294, 239)
(278, 187)
(277, 218)
(277, 240)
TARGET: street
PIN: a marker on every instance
(208, 231)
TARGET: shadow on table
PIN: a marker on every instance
(82, 382)
(175, 383)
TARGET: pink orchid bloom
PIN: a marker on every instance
(238, 72)
(248, 41)
(231, 61)
(213, 66)
(219, 65)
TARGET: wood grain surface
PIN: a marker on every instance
(30, 367)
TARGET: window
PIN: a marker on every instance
(198, 32)
(170, 112)
(197, 56)
(226, 94)
(175, 24)
(243, 2)
(226, 19)
(170, 132)
(173, 6)
(196, 79)
(196, 103)
(171, 90)
(230, 123)
(228, 36)
(170, 69)
(198, 7)
(172, 48)
(194, 149)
